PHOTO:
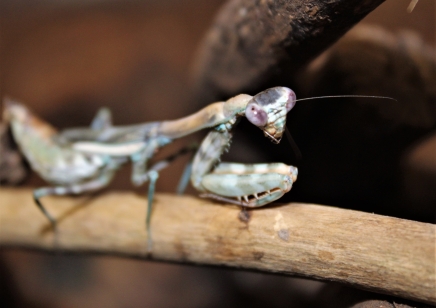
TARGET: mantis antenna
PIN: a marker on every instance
(291, 140)
(347, 96)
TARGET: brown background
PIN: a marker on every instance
(66, 61)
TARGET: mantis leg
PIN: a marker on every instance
(96, 184)
(102, 121)
(208, 156)
(139, 161)
(246, 185)
(187, 171)
(246, 188)
(152, 175)
(184, 179)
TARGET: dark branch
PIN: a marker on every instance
(250, 41)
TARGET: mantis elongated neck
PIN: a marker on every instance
(210, 116)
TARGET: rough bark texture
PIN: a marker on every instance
(381, 304)
(251, 40)
(378, 253)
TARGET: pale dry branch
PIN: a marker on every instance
(378, 253)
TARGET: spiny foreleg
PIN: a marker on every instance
(249, 189)
(209, 154)
(251, 185)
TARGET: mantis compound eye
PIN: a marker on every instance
(292, 99)
(256, 115)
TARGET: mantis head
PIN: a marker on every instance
(267, 110)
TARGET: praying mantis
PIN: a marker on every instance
(86, 159)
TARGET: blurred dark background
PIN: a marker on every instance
(67, 59)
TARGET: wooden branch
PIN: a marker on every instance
(250, 40)
(378, 253)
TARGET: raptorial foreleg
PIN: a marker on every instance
(249, 185)
(208, 155)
